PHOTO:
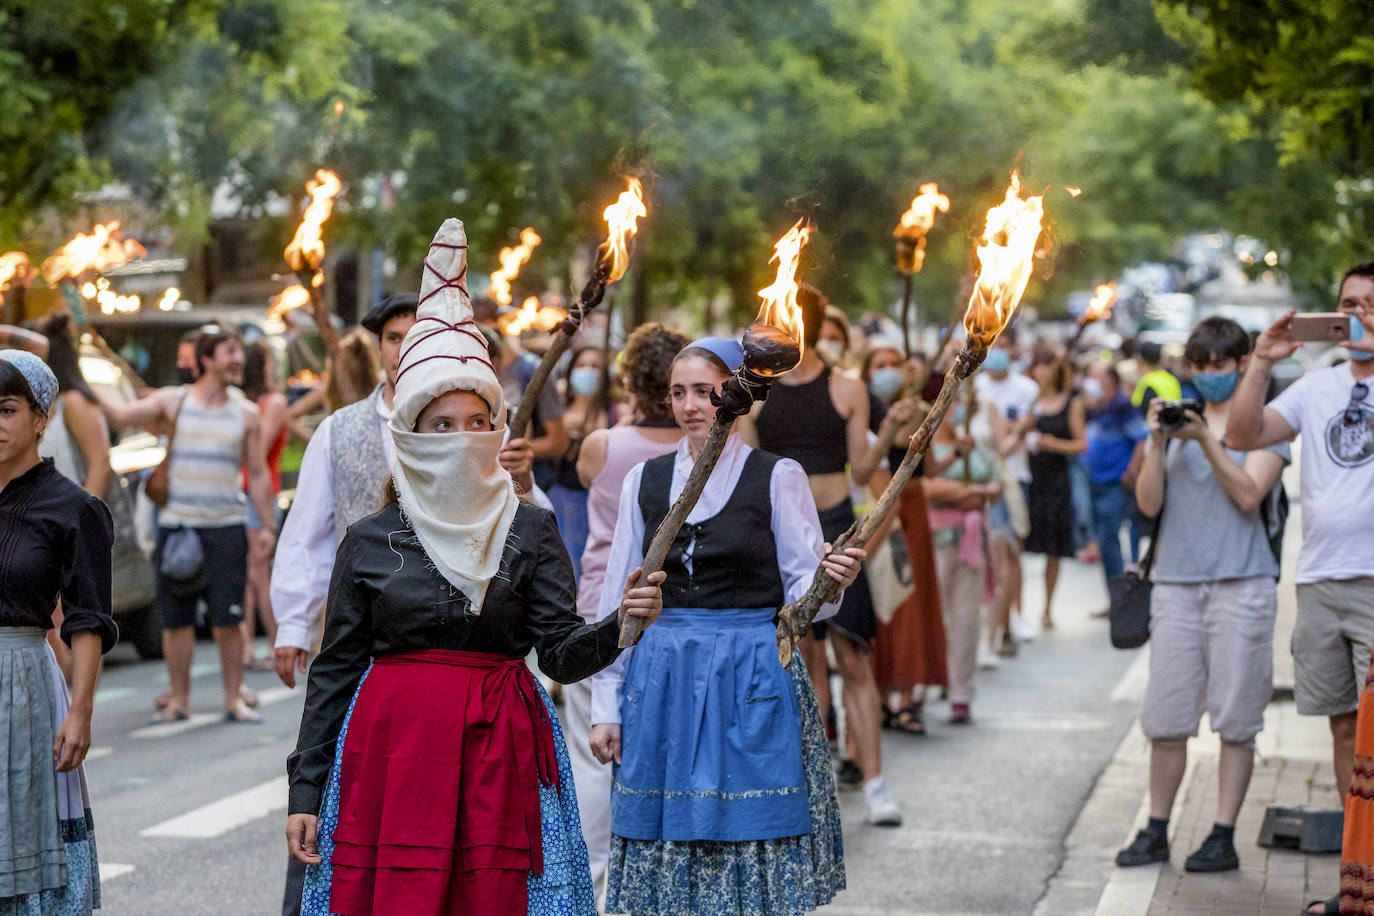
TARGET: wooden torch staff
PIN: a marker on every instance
(588, 299)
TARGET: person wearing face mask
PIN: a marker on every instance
(833, 344)
(1334, 411)
(1214, 602)
(588, 407)
(421, 692)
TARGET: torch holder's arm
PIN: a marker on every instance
(736, 398)
(320, 310)
(590, 298)
(794, 620)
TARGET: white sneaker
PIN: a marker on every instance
(882, 809)
(1021, 629)
(987, 659)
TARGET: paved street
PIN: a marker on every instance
(189, 816)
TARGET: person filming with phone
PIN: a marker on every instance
(1214, 601)
(1331, 407)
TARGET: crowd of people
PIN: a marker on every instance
(433, 553)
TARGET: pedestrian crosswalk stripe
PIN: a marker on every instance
(111, 870)
(96, 753)
(221, 816)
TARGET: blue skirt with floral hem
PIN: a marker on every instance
(780, 877)
(564, 888)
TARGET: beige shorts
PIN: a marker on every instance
(1331, 642)
(1211, 649)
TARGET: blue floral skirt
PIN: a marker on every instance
(48, 864)
(564, 888)
(778, 877)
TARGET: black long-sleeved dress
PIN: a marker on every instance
(386, 598)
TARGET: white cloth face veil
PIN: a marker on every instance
(451, 486)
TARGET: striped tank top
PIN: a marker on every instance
(205, 489)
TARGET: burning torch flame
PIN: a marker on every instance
(531, 316)
(306, 250)
(104, 248)
(621, 218)
(1100, 306)
(512, 259)
(13, 265)
(170, 297)
(1073, 192)
(914, 225)
(1005, 254)
(289, 299)
(779, 307)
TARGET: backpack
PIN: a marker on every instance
(1273, 513)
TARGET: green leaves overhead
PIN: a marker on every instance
(740, 116)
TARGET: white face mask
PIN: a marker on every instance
(832, 351)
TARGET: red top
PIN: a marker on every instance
(273, 455)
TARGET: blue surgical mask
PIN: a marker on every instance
(1215, 387)
(997, 360)
(1357, 333)
(887, 382)
(584, 380)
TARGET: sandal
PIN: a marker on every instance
(1329, 907)
(249, 698)
(166, 716)
(160, 702)
(908, 719)
(242, 717)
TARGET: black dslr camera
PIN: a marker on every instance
(1171, 413)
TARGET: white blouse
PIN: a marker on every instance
(796, 531)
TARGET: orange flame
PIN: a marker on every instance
(306, 250)
(14, 265)
(1005, 253)
(622, 220)
(1100, 306)
(303, 379)
(512, 259)
(104, 248)
(288, 300)
(170, 297)
(530, 316)
(915, 223)
(1073, 192)
(780, 308)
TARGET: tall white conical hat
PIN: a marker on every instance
(452, 488)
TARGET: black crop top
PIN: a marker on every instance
(800, 422)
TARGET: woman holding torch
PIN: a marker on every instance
(435, 779)
(724, 791)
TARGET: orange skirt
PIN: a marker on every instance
(1357, 846)
(910, 650)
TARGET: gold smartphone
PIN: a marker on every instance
(1328, 326)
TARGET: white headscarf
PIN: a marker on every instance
(452, 488)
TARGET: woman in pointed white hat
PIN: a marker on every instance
(434, 778)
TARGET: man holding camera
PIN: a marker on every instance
(1213, 603)
(1332, 408)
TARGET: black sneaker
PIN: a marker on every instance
(1147, 849)
(1215, 854)
(849, 776)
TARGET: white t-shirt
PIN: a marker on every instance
(1013, 397)
(1337, 473)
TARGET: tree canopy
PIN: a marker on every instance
(741, 118)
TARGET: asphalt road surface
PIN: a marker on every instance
(189, 816)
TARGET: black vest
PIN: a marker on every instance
(734, 556)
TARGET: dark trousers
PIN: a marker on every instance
(295, 883)
(1111, 506)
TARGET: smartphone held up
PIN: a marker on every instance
(1331, 327)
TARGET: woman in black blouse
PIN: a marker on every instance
(55, 541)
(436, 779)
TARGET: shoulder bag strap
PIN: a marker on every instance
(1147, 564)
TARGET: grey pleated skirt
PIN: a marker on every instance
(48, 864)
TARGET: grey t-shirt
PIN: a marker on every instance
(1203, 536)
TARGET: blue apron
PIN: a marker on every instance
(710, 733)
